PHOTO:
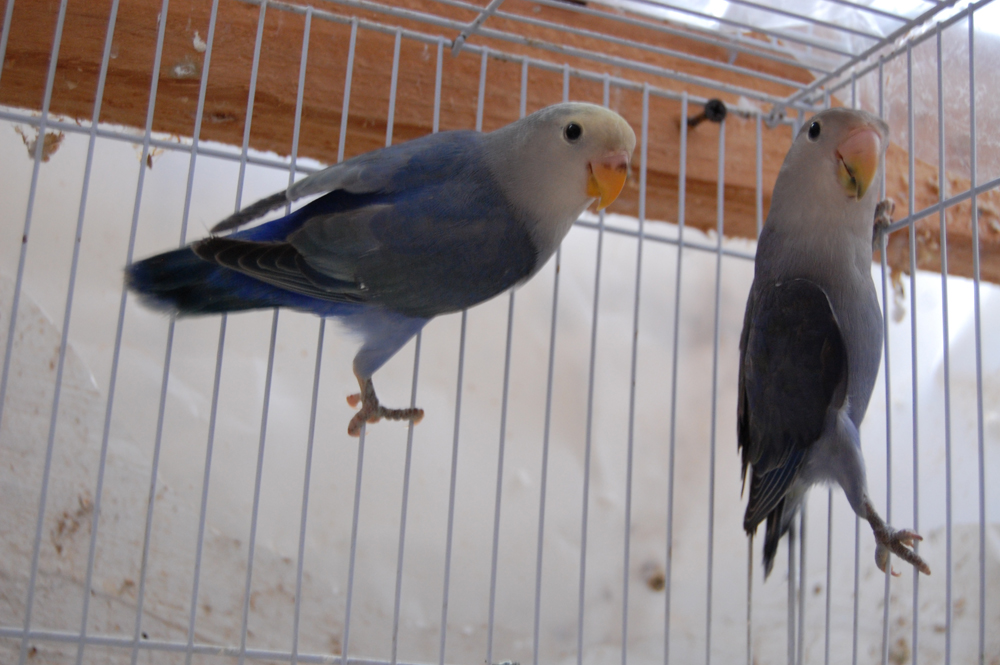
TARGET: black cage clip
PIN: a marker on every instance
(715, 110)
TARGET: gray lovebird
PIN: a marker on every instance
(405, 233)
(812, 333)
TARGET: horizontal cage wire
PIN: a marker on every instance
(183, 490)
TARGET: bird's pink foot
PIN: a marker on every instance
(898, 541)
(883, 218)
(372, 412)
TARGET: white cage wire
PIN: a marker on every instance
(184, 491)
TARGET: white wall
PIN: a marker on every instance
(169, 578)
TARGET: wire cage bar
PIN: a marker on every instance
(573, 494)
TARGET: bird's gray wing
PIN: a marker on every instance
(398, 168)
(278, 264)
(437, 248)
(793, 375)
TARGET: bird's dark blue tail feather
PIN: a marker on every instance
(180, 282)
(777, 526)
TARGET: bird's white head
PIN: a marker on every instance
(837, 151)
(829, 179)
(588, 144)
(558, 161)
(824, 199)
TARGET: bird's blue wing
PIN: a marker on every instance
(439, 236)
(793, 371)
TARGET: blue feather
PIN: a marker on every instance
(181, 282)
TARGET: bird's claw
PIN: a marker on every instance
(883, 218)
(372, 412)
(899, 543)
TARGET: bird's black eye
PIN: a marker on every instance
(573, 132)
(814, 130)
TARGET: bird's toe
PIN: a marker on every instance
(412, 414)
(354, 427)
(899, 543)
(372, 411)
(884, 210)
(883, 218)
(882, 558)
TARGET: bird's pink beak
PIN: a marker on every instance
(859, 157)
(607, 177)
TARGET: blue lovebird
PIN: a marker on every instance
(405, 233)
(812, 333)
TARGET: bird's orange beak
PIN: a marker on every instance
(859, 155)
(607, 177)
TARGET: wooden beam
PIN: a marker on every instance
(958, 221)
